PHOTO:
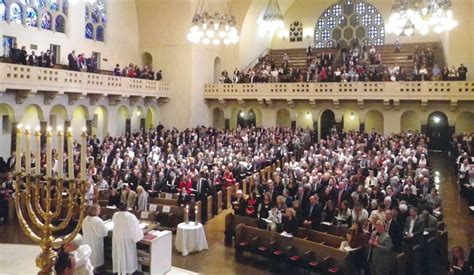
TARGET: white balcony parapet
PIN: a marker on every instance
(35, 79)
(427, 90)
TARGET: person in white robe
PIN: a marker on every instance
(81, 253)
(126, 234)
(94, 231)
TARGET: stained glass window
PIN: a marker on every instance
(54, 5)
(46, 21)
(335, 20)
(2, 11)
(60, 24)
(16, 13)
(65, 7)
(95, 14)
(31, 17)
(89, 31)
(40, 3)
(100, 34)
(36, 13)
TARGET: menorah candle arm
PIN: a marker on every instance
(59, 199)
(31, 213)
(23, 224)
(69, 237)
(37, 203)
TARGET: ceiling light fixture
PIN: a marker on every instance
(213, 23)
(272, 18)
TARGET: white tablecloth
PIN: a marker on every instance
(190, 238)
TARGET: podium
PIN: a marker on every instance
(153, 251)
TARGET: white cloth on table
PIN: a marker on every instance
(190, 238)
(126, 234)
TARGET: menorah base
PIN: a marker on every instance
(45, 262)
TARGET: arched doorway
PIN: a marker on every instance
(80, 115)
(465, 123)
(147, 59)
(410, 121)
(283, 118)
(218, 120)
(137, 119)
(100, 122)
(150, 118)
(328, 121)
(245, 120)
(217, 69)
(374, 121)
(438, 131)
(123, 120)
(8, 118)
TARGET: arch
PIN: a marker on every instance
(304, 119)
(150, 118)
(217, 69)
(350, 120)
(137, 118)
(465, 122)
(246, 119)
(147, 59)
(100, 122)
(59, 24)
(32, 115)
(410, 121)
(99, 34)
(343, 18)
(218, 120)
(80, 115)
(437, 131)
(58, 116)
(283, 118)
(327, 123)
(7, 118)
(374, 121)
(122, 117)
(16, 13)
(31, 17)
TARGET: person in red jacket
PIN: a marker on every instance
(185, 183)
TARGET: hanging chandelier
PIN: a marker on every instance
(213, 24)
(409, 16)
(272, 18)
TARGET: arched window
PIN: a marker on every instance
(59, 24)
(99, 34)
(89, 31)
(2, 11)
(347, 20)
(95, 15)
(31, 17)
(36, 13)
(16, 13)
(46, 21)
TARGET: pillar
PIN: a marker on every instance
(362, 127)
(128, 126)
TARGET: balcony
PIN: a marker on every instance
(452, 91)
(28, 79)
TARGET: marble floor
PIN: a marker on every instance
(220, 259)
(19, 259)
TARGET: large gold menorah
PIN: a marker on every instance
(29, 199)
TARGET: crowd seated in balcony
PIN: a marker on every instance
(79, 62)
(358, 63)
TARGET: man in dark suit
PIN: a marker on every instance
(15, 54)
(11, 161)
(313, 216)
(203, 188)
(380, 248)
(414, 227)
(72, 61)
(394, 230)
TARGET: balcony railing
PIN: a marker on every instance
(427, 90)
(35, 79)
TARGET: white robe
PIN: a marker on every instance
(94, 231)
(83, 264)
(126, 234)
